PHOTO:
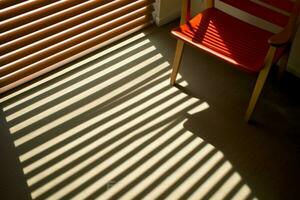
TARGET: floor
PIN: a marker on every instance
(109, 126)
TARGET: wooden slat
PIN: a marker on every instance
(12, 8)
(58, 25)
(57, 18)
(11, 78)
(25, 18)
(7, 3)
(80, 37)
(97, 21)
(39, 36)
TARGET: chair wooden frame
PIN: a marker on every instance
(277, 40)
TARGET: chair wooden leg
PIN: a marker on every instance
(209, 3)
(260, 83)
(177, 61)
(282, 65)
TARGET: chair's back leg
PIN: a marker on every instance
(282, 65)
(260, 82)
(209, 3)
(177, 61)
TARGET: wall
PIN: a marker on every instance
(166, 11)
(169, 10)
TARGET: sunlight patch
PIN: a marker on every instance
(111, 126)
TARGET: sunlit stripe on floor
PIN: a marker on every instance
(86, 107)
(130, 162)
(102, 99)
(243, 193)
(186, 184)
(96, 131)
(69, 68)
(211, 181)
(171, 180)
(85, 81)
(117, 131)
(199, 108)
(63, 136)
(58, 180)
(103, 165)
(143, 128)
(92, 90)
(78, 84)
(142, 168)
(227, 187)
(176, 175)
(160, 171)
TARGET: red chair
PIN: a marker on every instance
(245, 46)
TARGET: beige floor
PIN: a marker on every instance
(109, 126)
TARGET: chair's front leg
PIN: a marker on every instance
(177, 61)
(260, 82)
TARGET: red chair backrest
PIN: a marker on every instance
(285, 5)
(270, 15)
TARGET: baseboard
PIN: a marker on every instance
(162, 21)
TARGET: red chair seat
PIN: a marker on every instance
(243, 45)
